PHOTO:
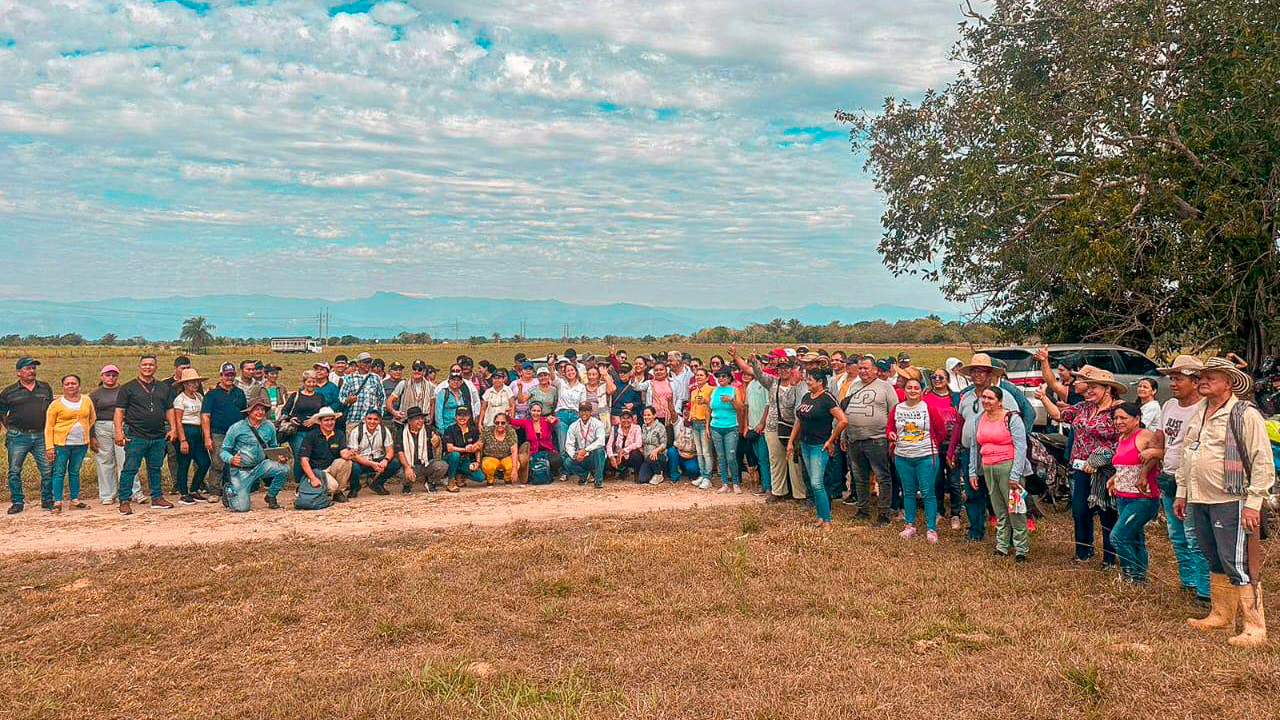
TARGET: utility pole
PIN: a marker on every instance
(456, 334)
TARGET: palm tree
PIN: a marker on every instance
(197, 332)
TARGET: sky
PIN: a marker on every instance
(585, 150)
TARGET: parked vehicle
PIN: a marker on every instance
(1128, 365)
(296, 345)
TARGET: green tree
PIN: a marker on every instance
(1096, 171)
(197, 332)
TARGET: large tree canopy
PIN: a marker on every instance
(1099, 169)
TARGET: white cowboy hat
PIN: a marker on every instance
(1241, 383)
(326, 412)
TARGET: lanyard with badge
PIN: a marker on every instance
(1195, 444)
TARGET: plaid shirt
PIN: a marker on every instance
(373, 395)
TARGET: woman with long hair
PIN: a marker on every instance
(815, 438)
(999, 456)
(915, 432)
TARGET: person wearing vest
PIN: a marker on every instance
(1226, 475)
(419, 450)
(373, 453)
(243, 451)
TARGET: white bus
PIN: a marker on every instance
(296, 345)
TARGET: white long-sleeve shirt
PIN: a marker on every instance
(594, 440)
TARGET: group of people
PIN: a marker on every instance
(878, 434)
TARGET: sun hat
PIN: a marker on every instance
(980, 361)
(109, 368)
(322, 364)
(187, 375)
(1098, 376)
(326, 412)
(1241, 383)
(256, 399)
(414, 412)
(364, 357)
(1183, 365)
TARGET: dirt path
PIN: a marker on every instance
(103, 528)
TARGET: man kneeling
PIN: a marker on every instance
(243, 450)
(326, 464)
(584, 447)
(419, 449)
(373, 453)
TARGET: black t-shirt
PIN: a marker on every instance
(145, 408)
(303, 407)
(320, 450)
(25, 409)
(455, 436)
(816, 416)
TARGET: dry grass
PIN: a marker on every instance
(725, 613)
(86, 361)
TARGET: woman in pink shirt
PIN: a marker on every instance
(1000, 454)
(1136, 462)
(539, 435)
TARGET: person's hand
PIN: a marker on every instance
(1250, 519)
(830, 447)
(613, 349)
(973, 481)
(1042, 354)
(893, 437)
(49, 453)
(580, 455)
(235, 460)
(93, 444)
(381, 465)
(1180, 508)
(184, 446)
(791, 447)
(760, 428)
(208, 444)
(1040, 393)
(1111, 485)
(733, 351)
(315, 481)
(951, 461)
(1088, 470)
(120, 439)
(351, 399)
(171, 435)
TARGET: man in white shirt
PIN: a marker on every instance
(681, 375)
(374, 453)
(1175, 416)
(584, 447)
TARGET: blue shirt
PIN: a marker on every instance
(240, 439)
(329, 392)
(224, 408)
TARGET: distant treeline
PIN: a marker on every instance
(930, 330)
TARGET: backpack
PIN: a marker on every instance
(539, 469)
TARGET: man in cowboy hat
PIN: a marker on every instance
(326, 463)
(418, 447)
(1175, 417)
(244, 452)
(983, 372)
(1226, 474)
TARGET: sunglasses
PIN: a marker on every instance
(499, 422)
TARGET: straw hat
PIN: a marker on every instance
(981, 361)
(1097, 376)
(187, 375)
(1241, 383)
(1183, 365)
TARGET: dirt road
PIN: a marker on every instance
(104, 528)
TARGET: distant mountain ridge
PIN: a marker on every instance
(386, 314)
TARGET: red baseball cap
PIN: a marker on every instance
(778, 353)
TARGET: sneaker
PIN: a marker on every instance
(161, 504)
(108, 501)
(955, 522)
(582, 480)
(932, 537)
(704, 484)
(125, 508)
(46, 504)
(737, 489)
(14, 509)
(563, 478)
(216, 497)
(272, 503)
(599, 483)
(187, 500)
(1020, 557)
(850, 500)
(199, 496)
(339, 497)
(138, 498)
(696, 481)
(407, 489)
(656, 479)
(908, 533)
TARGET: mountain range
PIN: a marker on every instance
(386, 314)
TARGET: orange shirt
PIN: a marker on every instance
(700, 403)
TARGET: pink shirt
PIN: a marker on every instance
(995, 440)
(661, 390)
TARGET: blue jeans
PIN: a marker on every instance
(196, 453)
(918, 474)
(460, 464)
(269, 472)
(135, 451)
(977, 502)
(1082, 515)
(951, 481)
(18, 444)
(1193, 570)
(592, 464)
(564, 418)
(834, 476)
(1128, 535)
(67, 460)
(815, 459)
(762, 456)
(725, 441)
(701, 443)
(677, 464)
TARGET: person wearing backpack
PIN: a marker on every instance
(999, 456)
(373, 453)
(1226, 475)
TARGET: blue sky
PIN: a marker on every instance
(589, 150)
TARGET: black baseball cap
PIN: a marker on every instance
(395, 365)
(378, 362)
(419, 365)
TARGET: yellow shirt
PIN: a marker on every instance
(700, 403)
(59, 419)
(1200, 477)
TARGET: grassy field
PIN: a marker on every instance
(721, 613)
(86, 361)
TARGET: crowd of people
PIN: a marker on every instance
(948, 446)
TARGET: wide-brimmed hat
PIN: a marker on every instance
(413, 412)
(1183, 365)
(815, 357)
(256, 399)
(1241, 383)
(980, 361)
(1098, 376)
(187, 375)
(326, 412)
